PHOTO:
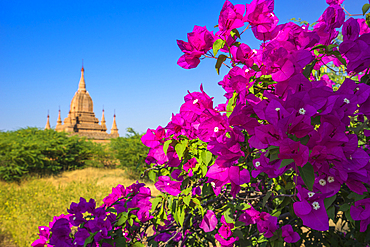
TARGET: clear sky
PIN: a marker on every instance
(129, 50)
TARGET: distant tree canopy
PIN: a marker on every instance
(32, 151)
(130, 151)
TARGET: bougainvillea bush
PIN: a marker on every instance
(283, 162)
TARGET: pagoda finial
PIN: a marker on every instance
(82, 84)
(59, 121)
(47, 126)
(114, 130)
(103, 122)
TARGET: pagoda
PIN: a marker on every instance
(81, 118)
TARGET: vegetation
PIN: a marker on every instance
(31, 151)
(25, 206)
(130, 151)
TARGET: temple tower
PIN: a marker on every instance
(81, 118)
(47, 126)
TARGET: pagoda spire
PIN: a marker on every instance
(103, 122)
(114, 130)
(47, 126)
(59, 121)
(82, 84)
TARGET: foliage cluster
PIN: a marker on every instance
(31, 151)
(34, 151)
(130, 151)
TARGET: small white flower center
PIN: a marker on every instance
(257, 164)
(272, 15)
(254, 51)
(311, 194)
(74, 218)
(124, 234)
(168, 184)
(316, 205)
(350, 157)
(100, 230)
(277, 109)
(215, 129)
(322, 182)
(303, 27)
(247, 70)
(213, 184)
(42, 228)
(357, 88)
(331, 179)
(346, 100)
(302, 111)
(195, 101)
(75, 243)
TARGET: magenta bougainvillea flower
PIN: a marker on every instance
(361, 211)
(199, 42)
(311, 209)
(165, 184)
(230, 17)
(289, 235)
(209, 221)
(260, 15)
(188, 166)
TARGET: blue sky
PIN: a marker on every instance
(129, 50)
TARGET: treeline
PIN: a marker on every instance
(34, 152)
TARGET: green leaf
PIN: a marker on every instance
(235, 32)
(89, 239)
(180, 148)
(354, 195)
(231, 104)
(243, 206)
(365, 8)
(196, 201)
(228, 216)
(219, 62)
(289, 186)
(181, 215)
(344, 207)
(286, 162)
(120, 241)
(276, 213)
(152, 175)
(108, 241)
(137, 244)
(272, 147)
(155, 202)
(122, 219)
(255, 68)
(340, 58)
(308, 175)
(328, 201)
(348, 216)
(187, 200)
(204, 169)
(365, 79)
(331, 213)
(308, 69)
(266, 197)
(273, 156)
(206, 157)
(166, 145)
(239, 234)
(319, 47)
(111, 210)
(217, 45)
